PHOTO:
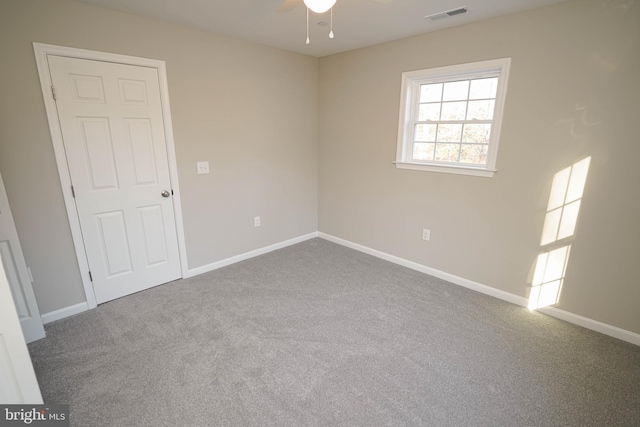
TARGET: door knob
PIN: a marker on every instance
(165, 193)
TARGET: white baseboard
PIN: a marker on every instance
(488, 290)
(576, 319)
(83, 306)
(232, 260)
(64, 312)
(594, 325)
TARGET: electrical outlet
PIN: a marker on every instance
(203, 167)
(256, 221)
(426, 234)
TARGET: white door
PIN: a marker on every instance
(18, 383)
(17, 274)
(113, 131)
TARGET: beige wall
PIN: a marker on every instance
(573, 92)
(248, 109)
(255, 114)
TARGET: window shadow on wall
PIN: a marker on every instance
(557, 233)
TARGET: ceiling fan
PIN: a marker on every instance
(317, 6)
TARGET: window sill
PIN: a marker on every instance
(459, 170)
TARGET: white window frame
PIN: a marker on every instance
(409, 101)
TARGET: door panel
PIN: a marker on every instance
(98, 148)
(115, 243)
(113, 132)
(138, 133)
(153, 229)
(17, 274)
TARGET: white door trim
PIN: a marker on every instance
(17, 273)
(41, 52)
(19, 383)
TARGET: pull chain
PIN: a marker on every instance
(331, 35)
(307, 25)
(331, 28)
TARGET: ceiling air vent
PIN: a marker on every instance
(447, 14)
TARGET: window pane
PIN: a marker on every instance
(481, 110)
(449, 133)
(474, 154)
(425, 133)
(447, 152)
(454, 91)
(423, 151)
(483, 88)
(454, 110)
(431, 93)
(476, 133)
(429, 112)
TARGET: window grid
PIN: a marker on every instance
(460, 142)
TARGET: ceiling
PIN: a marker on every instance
(356, 23)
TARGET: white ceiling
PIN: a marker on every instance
(356, 23)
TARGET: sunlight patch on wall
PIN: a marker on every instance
(559, 224)
(548, 276)
(564, 202)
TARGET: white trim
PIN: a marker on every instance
(83, 306)
(173, 165)
(52, 316)
(41, 52)
(447, 73)
(576, 319)
(488, 290)
(409, 100)
(261, 251)
(594, 325)
(460, 170)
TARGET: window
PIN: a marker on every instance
(450, 118)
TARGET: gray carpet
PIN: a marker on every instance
(319, 335)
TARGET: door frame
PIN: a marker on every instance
(41, 53)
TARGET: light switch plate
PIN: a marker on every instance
(203, 167)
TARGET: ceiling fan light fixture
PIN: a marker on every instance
(319, 6)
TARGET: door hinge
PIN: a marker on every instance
(172, 191)
(73, 192)
(53, 92)
(90, 277)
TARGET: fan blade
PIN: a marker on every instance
(288, 5)
(383, 1)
